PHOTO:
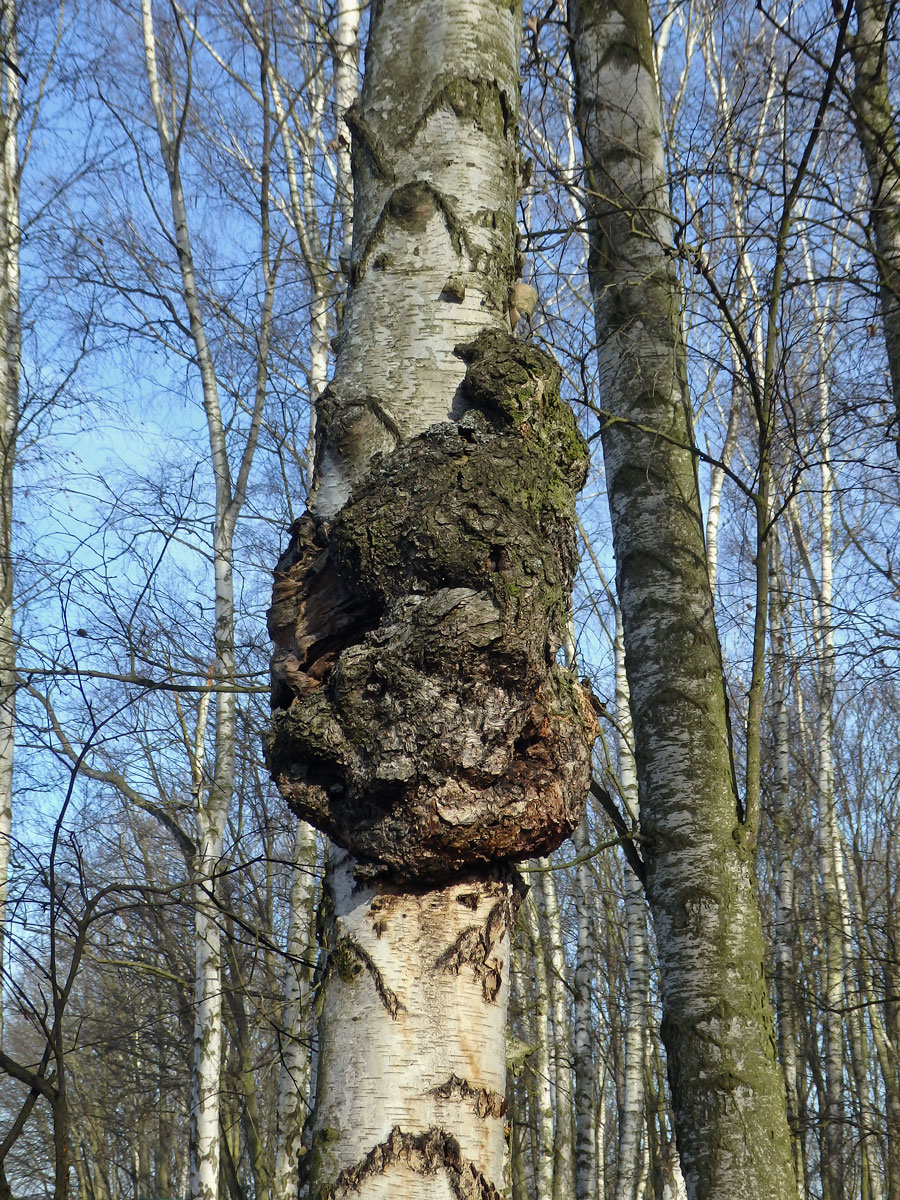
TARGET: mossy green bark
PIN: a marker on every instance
(727, 1091)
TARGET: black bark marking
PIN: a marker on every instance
(413, 204)
(424, 1153)
(474, 948)
(485, 1103)
(348, 958)
(364, 138)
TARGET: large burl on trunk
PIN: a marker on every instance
(421, 718)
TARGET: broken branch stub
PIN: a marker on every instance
(420, 716)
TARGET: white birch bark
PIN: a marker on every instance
(541, 1086)
(727, 1091)
(230, 492)
(293, 1085)
(783, 820)
(832, 1147)
(10, 354)
(560, 1045)
(632, 1148)
(421, 224)
(346, 87)
(412, 1062)
(584, 1058)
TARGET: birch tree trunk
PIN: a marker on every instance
(783, 821)
(875, 114)
(293, 1084)
(584, 1058)
(420, 718)
(631, 1154)
(10, 353)
(727, 1091)
(539, 1061)
(560, 1050)
(212, 802)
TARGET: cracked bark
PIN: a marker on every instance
(727, 1091)
(420, 717)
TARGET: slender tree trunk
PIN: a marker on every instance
(541, 1085)
(10, 353)
(584, 1057)
(211, 804)
(875, 113)
(293, 1087)
(346, 86)
(727, 1090)
(783, 820)
(631, 1152)
(560, 1045)
(389, 732)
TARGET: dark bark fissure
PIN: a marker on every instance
(349, 959)
(420, 716)
(412, 204)
(484, 1102)
(425, 1153)
(474, 947)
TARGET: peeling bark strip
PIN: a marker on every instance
(426, 1153)
(421, 719)
(727, 1092)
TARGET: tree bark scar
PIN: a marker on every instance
(474, 947)
(424, 1153)
(485, 1103)
(348, 958)
(421, 718)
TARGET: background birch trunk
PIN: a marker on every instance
(10, 354)
(541, 1089)
(560, 1041)
(292, 1104)
(212, 801)
(875, 113)
(783, 821)
(585, 1057)
(727, 1090)
(632, 1148)
(410, 1087)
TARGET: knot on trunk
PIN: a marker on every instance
(420, 716)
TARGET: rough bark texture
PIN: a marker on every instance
(421, 719)
(727, 1092)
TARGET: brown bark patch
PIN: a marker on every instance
(420, 716)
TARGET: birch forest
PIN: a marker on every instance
(538, 837)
